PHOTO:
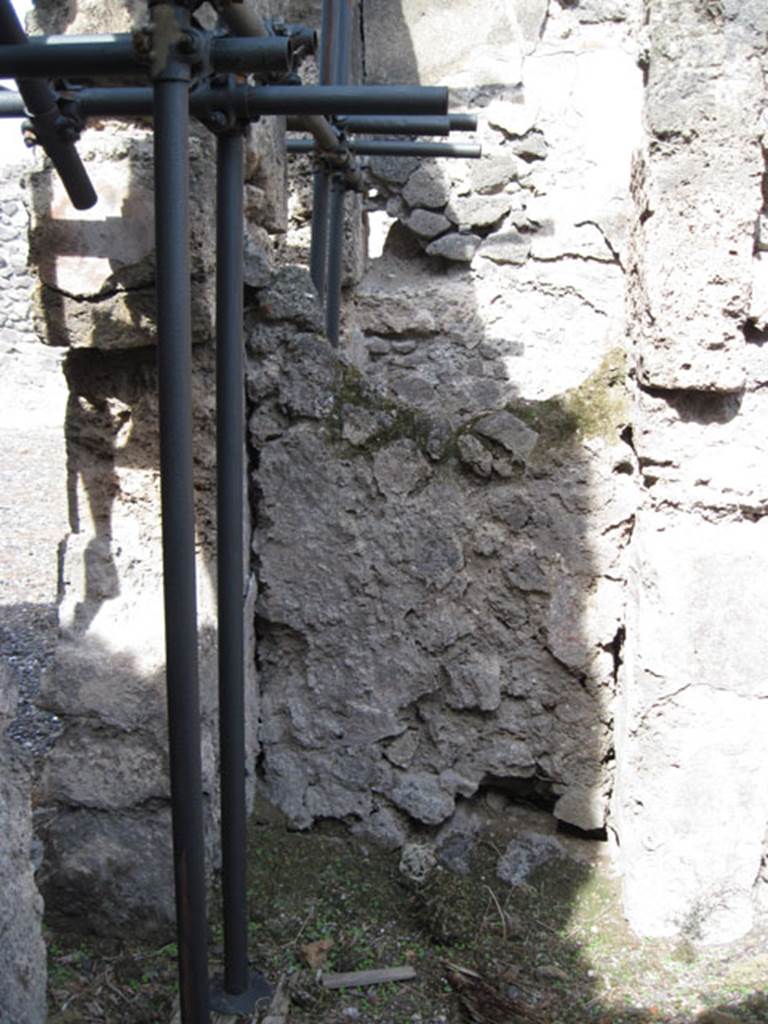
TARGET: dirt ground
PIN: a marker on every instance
(33, 523)
(552, 948)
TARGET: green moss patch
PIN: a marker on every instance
(597, 408)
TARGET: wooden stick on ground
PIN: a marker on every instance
(356, 979)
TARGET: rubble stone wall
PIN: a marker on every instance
(445, 507)
(508, 536)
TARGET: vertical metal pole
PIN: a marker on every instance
(335, 246)
(318, 255)
(230, 437)
(242, 988)
(174, 331)
(342, 43)
(326, 41)
(339, 60)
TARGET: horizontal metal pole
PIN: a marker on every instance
(396, 125)
(11, 104)
(347, 99)
(250, 102)
(381, 125)
(78, 56)
(387, 147)
(273, 53)
(54, 56)
(463, 122)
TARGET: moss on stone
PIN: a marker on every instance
(402, 421)
(596, 408)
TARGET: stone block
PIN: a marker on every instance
(464, 43)
(697, 194)
(474, 681)
(513, 118)
(506, 246)
(421, 796)
(693, 721)
(96, 267)
(427, 187)
(427, 224)
(479, 211)
(106, 769)
(111, 872)
(455, 247)
(508, 431)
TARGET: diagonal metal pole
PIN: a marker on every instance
(174, 341)
(242, 988)
(40, 103)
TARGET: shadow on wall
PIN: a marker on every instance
(105, 818)
(441, 542)
(550, 584)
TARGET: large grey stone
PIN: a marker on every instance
(513, 118)
(22, 951)
(106, 769)
(427, 224)
(508, 431)
(455, 247)
(474, 682)
(427, 187)
(422, 797)
(478, 211)
(506, 246)
(494, 171)
(111, 872)
(473, 453)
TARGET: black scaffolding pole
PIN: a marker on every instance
(241, 988)
(73, 56)
(56, 119)
(174, 343)
(230, 426)
(39, 101)
(250, 102)
(340, 62)
(394, 147)
(319, 237)
(335, 258)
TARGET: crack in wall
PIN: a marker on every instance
(103, 296)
